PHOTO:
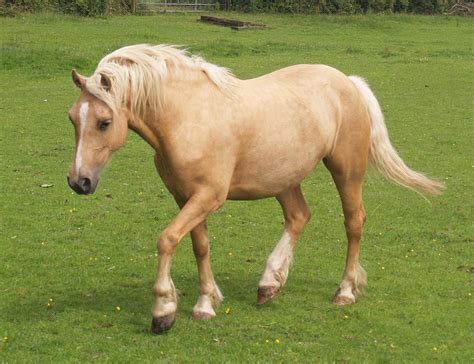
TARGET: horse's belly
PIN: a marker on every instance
(268, 177)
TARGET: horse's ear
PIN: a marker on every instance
(105, 82)
(79, 81)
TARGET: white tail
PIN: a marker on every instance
(383, 155)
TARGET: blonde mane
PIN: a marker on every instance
(136, 75)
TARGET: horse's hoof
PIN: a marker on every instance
(341, 300)
(199, 315)
(161, 324)
(265, 294)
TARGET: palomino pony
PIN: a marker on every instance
(217, 137)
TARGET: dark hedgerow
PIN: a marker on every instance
(343, 6)
(78, 7)
(104, 7)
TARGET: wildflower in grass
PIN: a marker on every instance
(346, 316)
(277, 341)
(50, 304)
(230, 254)
(267, 341)
(228, 311)
(383, 268)
(118, 308)
(435, 349)
(162, 353)
(5, 339)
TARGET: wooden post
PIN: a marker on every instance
(134, 6)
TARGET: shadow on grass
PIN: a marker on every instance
(129, 301)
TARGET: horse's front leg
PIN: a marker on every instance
(210, 296)
(194, 211)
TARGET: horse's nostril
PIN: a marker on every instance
(82, 186)
(85, 184)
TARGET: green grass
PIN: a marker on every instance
(92, 254)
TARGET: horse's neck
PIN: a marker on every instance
(147, 130)
(180, 92)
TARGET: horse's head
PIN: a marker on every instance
(99, 129)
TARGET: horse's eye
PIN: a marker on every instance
(104, 124)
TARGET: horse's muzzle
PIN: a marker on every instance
(83, 185)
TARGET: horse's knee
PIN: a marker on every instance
(167, 243)
(201, 249)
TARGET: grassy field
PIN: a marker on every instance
(76, 273)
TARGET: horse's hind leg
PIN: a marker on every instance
(296, 214)
(348, 174)
(210, 295)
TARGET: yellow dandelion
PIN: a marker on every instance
(162, 353)
(346, 316)
(228, 311)
(267, 341)
(469, 294)
(118, 308)
(383, 268)
(230, 254)
(277, 341)
(435, 349)
(5, 339)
